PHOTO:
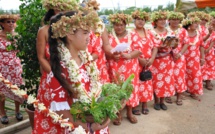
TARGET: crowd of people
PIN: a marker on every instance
(178, 51)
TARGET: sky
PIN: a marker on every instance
(14, 4)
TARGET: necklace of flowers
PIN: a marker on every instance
(76, 77)
(64, 123)
(159, 36)
(100, 28)
(176, 32)
(196, 39)
(117, 40)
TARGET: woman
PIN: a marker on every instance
(10, 64)
(68, 44)
(163, 65)
(208, 70)
(127, 63)
(175, 19)
(145, 60)
(53, 7)
(194, 56)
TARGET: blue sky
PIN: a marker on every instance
(14, 4)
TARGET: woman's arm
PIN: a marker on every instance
(209, 48)
(106, 45)
(202, 55)
(40, 46)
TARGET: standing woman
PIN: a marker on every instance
(127, 63)
(194, 56)
(10, 64)
(175, 19)
(146, 58)
(163, 65)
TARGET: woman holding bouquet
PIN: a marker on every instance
(163, 65)
(127, 63)
(73, 75)
(175, 19)
(146, 58)
(10, 64)
(194, 56)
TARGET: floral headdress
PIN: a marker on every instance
(140, 14)
(190, 21)
(94, 4)
(175, 15)
(61, 5)
(67, 25)
(156, 15)
(120, 17)
(201, 15)
(9, 16)
(212, 14)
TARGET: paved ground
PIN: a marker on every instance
(194, 117)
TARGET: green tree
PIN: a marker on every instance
(31, 13)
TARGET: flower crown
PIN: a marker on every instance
(94, 4)
(9, 16)
(61, 5)
(201, 15)
(140, 14)
(190, 21)
(68, 25)
(120, 17)
(156, 15)
(212, 14)
(175, 15)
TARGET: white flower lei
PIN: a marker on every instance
(159, 37)
(100, 28)
(76, 77)
(64, 123)
(176, 32)
(196, 39)
(117, 40)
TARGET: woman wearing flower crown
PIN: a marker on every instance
(208, 70)
(175, 19)
(127, 63)
(163, 65)
(73, 75)
(10, 64)
(146, 58)
(194, 56)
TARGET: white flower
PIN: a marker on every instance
(41, 107)
(31, 99)
(79, 130)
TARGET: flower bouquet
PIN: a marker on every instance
(106, 106)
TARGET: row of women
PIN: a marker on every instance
(62, 46)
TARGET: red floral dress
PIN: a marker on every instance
(208, 70)
(95, 47)
(10, 68)
(145, 87)
(193, 68)
(125, 67)
(162, 69)
(180, 64)
(56, 98)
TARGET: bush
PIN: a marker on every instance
(31, 13)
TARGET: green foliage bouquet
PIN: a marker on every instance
(107, 105)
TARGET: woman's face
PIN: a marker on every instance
(161, 23)
(119, 28)
(203, 22)
(194, 26)
(213, 21)
(139, 23)
(174, 22)
(80, 39)
(8, 24)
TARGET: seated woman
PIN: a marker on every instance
(70, 77)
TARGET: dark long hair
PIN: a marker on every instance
(54, 53)
(48, 15)
(186, 26)
(2, 20)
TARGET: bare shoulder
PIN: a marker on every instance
(43, 30)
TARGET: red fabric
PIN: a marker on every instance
(10, 68)
(125, 67)
(193, 68)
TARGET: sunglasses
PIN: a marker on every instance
(10, 21)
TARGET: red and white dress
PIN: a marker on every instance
(162, 68)
(145, 87)
(180, 64)
(208, 70)
(56, 98)
(95, 47)
(10, 68)
(125, 67)
(193, 68)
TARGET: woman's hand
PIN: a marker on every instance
(126, 56)
(177, 56)
(202, 62)
(207, 50)
(116, 56)
(149, 62)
